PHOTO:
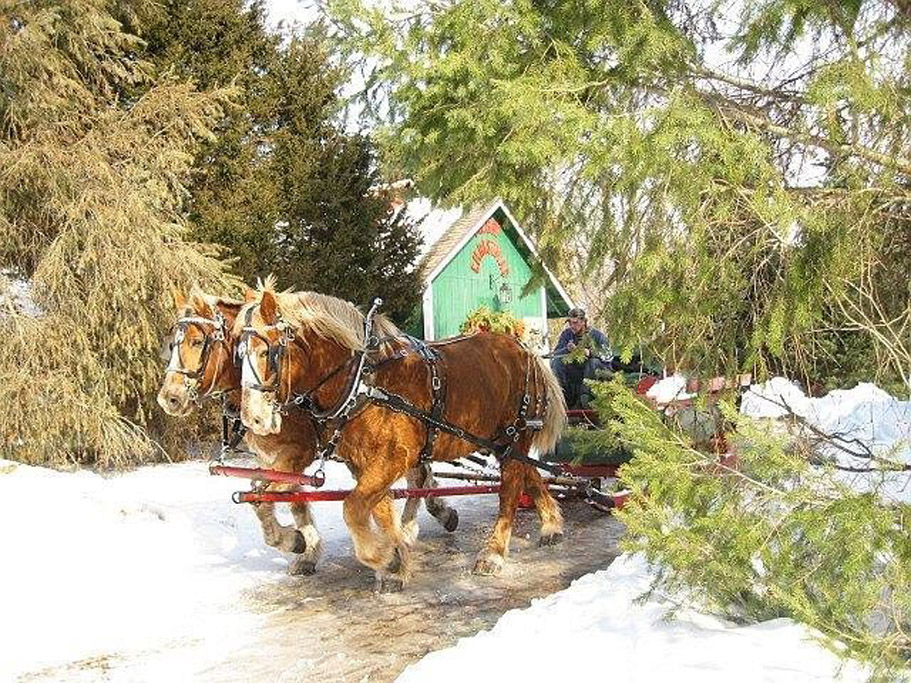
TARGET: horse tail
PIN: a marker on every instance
(545, 440)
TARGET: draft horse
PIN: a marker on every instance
(202, 366)
(373, 390)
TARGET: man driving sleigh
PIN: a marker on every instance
(582, 352)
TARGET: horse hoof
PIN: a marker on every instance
(301, 567)
(451, 522)
(551, 539)
(300, 543)
(390, 584)
(489, 565)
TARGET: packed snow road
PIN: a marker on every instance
(155, 575)
(333, 627)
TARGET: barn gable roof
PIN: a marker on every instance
(447, 245)
(462, 230)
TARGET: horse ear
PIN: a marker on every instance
(202, 307)
(249, 295)
(180, 301)
(268, 308)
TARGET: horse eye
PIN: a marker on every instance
(196, 343)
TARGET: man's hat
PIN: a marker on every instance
(576, 313)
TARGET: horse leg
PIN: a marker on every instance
(438, 507)
(305, 563)
(285, 538)
(547, 507)
(421, 477)
(371, 548)
(396, 574)
(492, 557)
(410, 528)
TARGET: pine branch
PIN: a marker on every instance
(726, 107)
(777, 93)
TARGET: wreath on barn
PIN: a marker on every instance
(485, 319)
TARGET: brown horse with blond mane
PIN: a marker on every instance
(309, 349)
(202, 367)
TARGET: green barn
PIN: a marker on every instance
(484, 258)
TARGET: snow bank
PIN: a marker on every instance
(865, 413)
(774, 398)
(148, 569)
(596, 630)
(669, 389)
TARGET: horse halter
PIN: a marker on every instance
(192, 378)
(275, 353)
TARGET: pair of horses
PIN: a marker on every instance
(311, 369)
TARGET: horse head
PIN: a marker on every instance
(295, 348)
(201, 356)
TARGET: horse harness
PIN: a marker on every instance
(232, 428)
(192, 378)
(360, 393)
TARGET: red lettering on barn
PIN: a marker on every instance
(488, 247)
(491, 227)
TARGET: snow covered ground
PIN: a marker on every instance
(864, 412)
(147, 565)
(137, 577)
(597, 630)
(863, 419)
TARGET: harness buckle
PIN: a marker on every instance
(435, 383)
(510, 430)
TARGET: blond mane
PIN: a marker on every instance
(326, 316)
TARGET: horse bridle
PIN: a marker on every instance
(275, 360)
(275, 352)
(192, 378)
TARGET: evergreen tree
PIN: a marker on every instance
(217, 43)
(746, 214)
(280, 185)
(90, 218)
(785, 530)
(338, 233)
(738, 173)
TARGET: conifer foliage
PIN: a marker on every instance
(778, 532)
(281, 184)
(736, 173)
(91, 193)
